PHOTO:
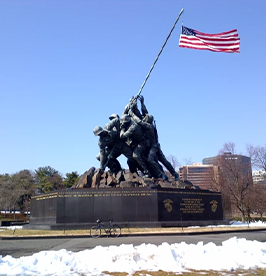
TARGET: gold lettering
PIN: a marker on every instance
(192, 206)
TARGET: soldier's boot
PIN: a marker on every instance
(164, 177)
(146, 174)
(176, 175)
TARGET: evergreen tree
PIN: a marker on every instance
(71, 179)
(48, 179)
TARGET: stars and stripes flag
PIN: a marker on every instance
(228, 42)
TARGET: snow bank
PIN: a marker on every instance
(231, 255)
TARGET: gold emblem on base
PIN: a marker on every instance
(168, 204)
(214, 205)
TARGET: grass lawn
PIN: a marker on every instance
(4, 232)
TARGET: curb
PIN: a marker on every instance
(135, 234)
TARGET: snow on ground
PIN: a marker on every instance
(178, 257)
(231, 255)
(237, 224)
(2, 228)
(251, 224)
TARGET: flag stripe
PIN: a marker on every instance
(214, 44)
(228, 42)
(220, 34)
(211, 42)
(231, 38)
(231, 48)
(211, 49)
(204, 45)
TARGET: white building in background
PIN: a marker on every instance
(259, 177)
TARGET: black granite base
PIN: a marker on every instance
(129, 207)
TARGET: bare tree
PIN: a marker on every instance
(235, 179)
(23, 183)
(258, 199)
(211, 179)
(16, 190)
(258, 156)
(174, 162)
(5, 182)
(228, 148)
(188, 161)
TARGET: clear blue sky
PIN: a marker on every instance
(67, 65)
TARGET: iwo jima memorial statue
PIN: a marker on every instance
(144, 195)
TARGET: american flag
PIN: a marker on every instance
(228, 42)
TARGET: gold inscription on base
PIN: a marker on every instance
(95, 194)
(192, 205)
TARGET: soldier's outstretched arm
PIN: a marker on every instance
(130, 105)
(144, 110)
(139, 121)
(135, 118)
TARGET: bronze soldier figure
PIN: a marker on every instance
(111, 147)
(134, 137)
(147, 124)
(159, 153)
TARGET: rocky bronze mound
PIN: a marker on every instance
(124, 178)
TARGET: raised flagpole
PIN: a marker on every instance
(159, 54)
(135, 98)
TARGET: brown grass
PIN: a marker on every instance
(4, 232)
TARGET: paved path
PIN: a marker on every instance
(23, 247)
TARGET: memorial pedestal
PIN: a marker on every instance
(129, 207)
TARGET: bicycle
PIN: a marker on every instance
(112, 230)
